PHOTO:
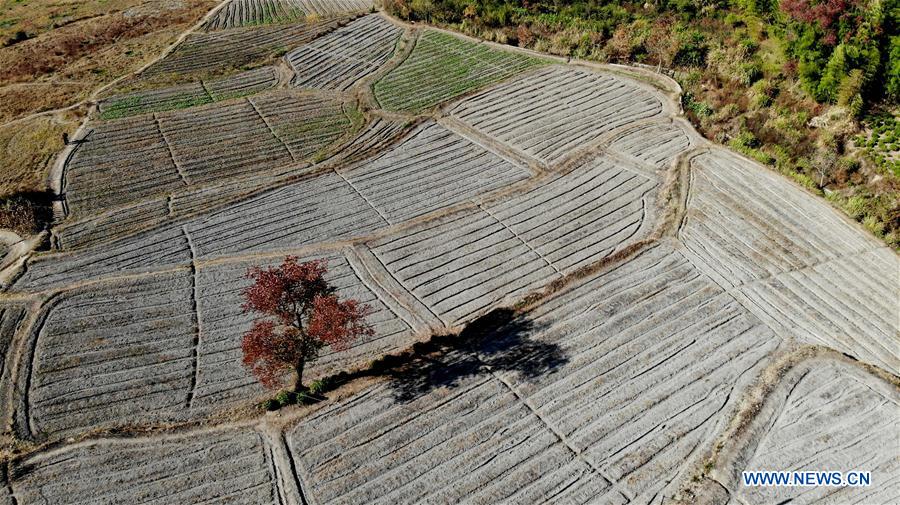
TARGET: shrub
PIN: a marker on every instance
(874, 225)
(318, 387)
(762, 93)
(285, 398)
(855, 206)
(748, 72)
(691, 49)
(26, 214)
(700, 109)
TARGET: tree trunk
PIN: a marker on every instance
(298, 383)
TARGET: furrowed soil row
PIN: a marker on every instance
(839, 303)
(340, 59)
(123, 222)
(824, 414)
(146, 252)
(461, 265)
(111, 355)
(319, 209)
(780, 229)
(126, 161)
(95, 176)
(226, 50)
(550, 112)
(13, 319)
(575, 219)
(225, 466)
(432, 168)
(238, 13)
(791, 260)
(653, 351)
(188, 95)
(324, 8)
(474, 444)
(654, 144)
(442, 67)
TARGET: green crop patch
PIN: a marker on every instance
(442, 67)
(189, 95)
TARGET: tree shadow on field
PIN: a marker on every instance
(496, 342)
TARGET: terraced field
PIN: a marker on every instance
(580, 217)
(189, 95)
(442, 67)
(478, 444)
(430, 169)
(320, 209)
(95, 351)
(462, 265)
(825, 414)
(567, 108)
(121, 162)
(137, 254)
(657, 144)
(325, 8)
(340, 59)
(584, 301)
(237, 13)
(806, 272)
(228, 50)
(232, 466)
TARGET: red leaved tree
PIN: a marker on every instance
(299, 315)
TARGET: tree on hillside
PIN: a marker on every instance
(299, 314)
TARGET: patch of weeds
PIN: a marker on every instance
(882, 146)
(746, 143)
(313, 394)
(26, 213)
(700, 109)
(186, 102)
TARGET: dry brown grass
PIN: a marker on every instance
(79, 46)
(21, 100)
(26, 150)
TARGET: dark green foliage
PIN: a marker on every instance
(286, 398)
(691, 49)
(892, 72)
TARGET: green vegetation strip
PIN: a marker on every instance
(443, 66)
(135, 105)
